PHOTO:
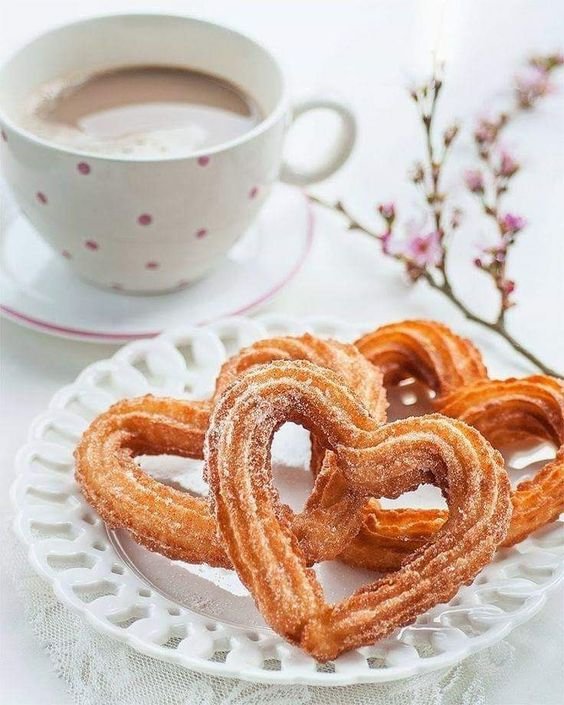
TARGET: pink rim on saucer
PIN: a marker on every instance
(256, 299)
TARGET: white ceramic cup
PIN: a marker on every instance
(140, 224)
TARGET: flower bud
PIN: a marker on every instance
(486, 131)
(474, 180)
(510, 224)
(508, 286)
(418, 173)
(450, 134)
(507, 165)
(387, 211)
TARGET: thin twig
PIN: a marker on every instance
(446, 289)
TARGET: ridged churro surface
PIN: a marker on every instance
(427, 350)
(375, 461)
(177, 524)
(504, 411)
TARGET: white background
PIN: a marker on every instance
(364, 52)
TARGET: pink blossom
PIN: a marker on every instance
(532, 83)
(387, 211)
(474, 180)
(486, 131)
(508, 286)
(424, 250)
(507, 165)
(511, 224)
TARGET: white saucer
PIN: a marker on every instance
(40, 291)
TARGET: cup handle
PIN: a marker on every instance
(339, 153)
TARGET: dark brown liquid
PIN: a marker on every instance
(196, 110)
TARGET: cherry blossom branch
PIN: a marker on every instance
(425, 253)
(446, 289)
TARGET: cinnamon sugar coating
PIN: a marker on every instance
(177, 524)
(427, 350)
(504, 411)
(375, 461)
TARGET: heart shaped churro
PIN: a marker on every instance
(178, 524)
(502, 410)
(375, 461)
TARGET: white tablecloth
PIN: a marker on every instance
(362, 51)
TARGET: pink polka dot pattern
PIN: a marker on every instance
(91, 245)
(66, 254)
(41, 197)
(145, 219)
(203, 161)
(202, 232)
(253, 193)
(152, 265)
(83, 168)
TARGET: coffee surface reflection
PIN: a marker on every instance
(143, 110)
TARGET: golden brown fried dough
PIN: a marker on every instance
(177, 524)
(503, 411)
(375, 461)
(426, 350)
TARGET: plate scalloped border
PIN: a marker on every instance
(68, 544)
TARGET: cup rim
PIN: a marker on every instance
(275, 114)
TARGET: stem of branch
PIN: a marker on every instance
(446, 289)
(497, 327)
